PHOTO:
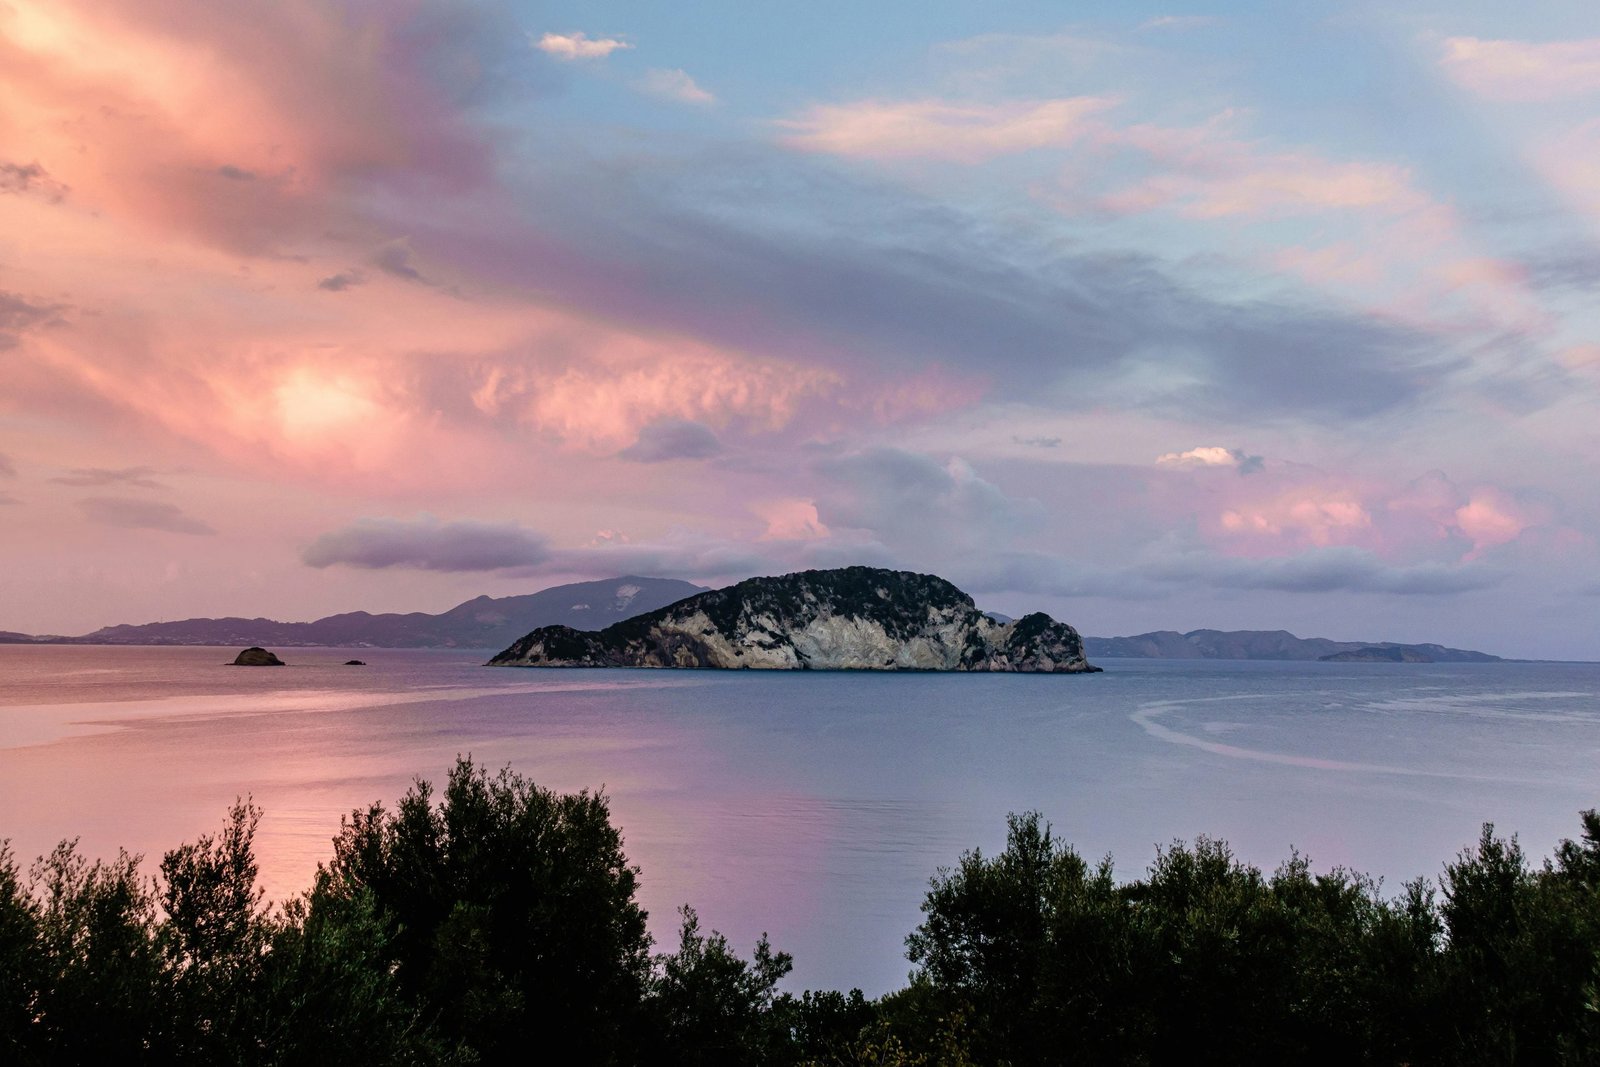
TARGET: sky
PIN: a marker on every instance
(1151, 316)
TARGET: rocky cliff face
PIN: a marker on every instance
(856, 618)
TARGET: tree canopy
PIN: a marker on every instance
(498, 922)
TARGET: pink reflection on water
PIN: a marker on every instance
(149, 774)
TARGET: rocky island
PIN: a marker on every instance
(853, 618)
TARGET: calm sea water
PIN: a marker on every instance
(811, 806)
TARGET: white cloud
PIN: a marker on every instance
(675, 85)
(1524, 70)
(1212, 456)
(1179, 22)
(937, 129)
(578, 45)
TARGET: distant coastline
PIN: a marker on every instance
(492, 623)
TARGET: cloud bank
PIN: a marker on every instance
(428, 544)
(142, 515)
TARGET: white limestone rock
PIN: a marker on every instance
(854, 618)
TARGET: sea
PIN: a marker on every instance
(814, 807)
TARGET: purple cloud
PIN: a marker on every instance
(95, 477)
(345, 279)
(428, 544)
(1330, 570)
(18, 315)
(667, 439)
(20, 178)
(142, 515)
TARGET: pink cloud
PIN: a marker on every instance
(1523, 71)
(1203, 173)
(1570, 161)
(601, 404)
(240, 127)
(1584, 358)
(1287, 510)
(1299, 519)
(941, 130)
(791, 520)
(217, 169)
(1490, 517)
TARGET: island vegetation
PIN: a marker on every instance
(848, 618)
(498, 922)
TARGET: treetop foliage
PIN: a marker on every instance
(497, 922)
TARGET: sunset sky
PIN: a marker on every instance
(1244, 315)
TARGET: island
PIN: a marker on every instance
(851, 618)
(257, 657)
(1273, 645)
(1379, 654)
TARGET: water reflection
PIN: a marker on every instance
(814, 807)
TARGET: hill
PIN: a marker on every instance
(1270, 644)
(483, 622)
(853, 618)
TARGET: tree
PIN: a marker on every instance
(20, 963)
(216, 936)
(1031, 946)
(714, 1008)
(509, 913)
(100, 980)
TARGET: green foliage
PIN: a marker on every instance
(714, 1008)
(509, 910)
(1205, 960)
(827, 1027)
(498, 923)
(331, 995)
(20, 962)
(1524, 952)
(99, 981)
(215, 940)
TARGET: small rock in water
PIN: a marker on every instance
(255, 656)
(355, 663)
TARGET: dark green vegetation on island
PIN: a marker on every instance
(1273, 645)
(849, 618)
(1380, 654)
(496, 923)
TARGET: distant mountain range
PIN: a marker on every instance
(483, 622)
(1270, 644)
(496, 622)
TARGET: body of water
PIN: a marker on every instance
(813, 806)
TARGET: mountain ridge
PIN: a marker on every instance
(1270, 645)
(466, 626)
(482, 622)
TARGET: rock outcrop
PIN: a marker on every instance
(256, 657)
(855, 618)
